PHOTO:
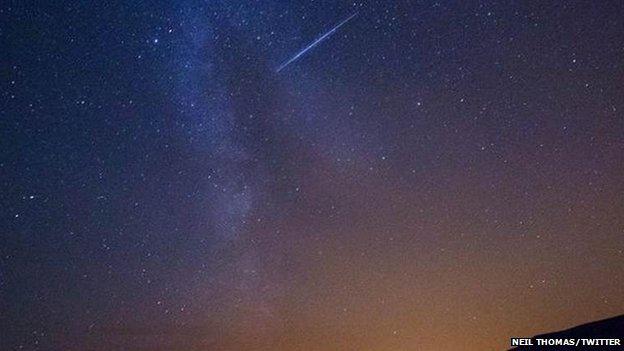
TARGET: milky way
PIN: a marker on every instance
(434, 177)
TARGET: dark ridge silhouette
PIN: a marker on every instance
(606, 328)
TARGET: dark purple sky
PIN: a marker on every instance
(431, 176)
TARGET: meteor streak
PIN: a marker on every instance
(314, 43)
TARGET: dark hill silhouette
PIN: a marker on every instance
(606, 328)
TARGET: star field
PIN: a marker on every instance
(431, 176)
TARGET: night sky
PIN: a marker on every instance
(428, 176)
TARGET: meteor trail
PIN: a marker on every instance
(314, 43)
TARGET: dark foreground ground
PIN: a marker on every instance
(606, 328)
